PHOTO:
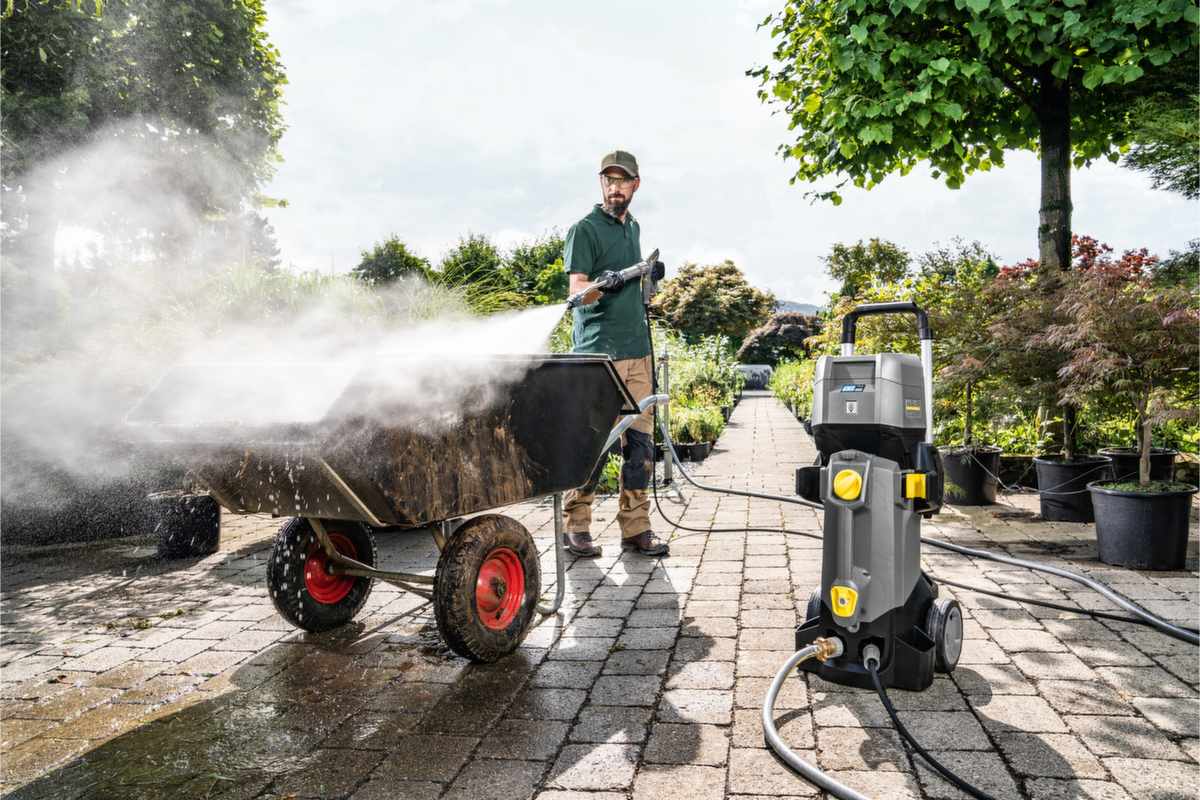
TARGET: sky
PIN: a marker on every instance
(429, 119)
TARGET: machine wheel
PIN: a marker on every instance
(302, 591)
(487, 588)
(814, 604)
(945, 626)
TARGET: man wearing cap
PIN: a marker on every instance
(613, 321)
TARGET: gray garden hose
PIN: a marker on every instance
(806, 770)
(1133, 608)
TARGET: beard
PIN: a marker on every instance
(615, 208)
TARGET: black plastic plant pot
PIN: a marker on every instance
(1142, 530)
(185, 525)
(1125, 463)
(971, 475)
(700, 451)
(1063, 485)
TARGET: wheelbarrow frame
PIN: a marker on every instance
(442, 533)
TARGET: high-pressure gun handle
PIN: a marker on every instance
(639, 270)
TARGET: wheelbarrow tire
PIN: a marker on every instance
(487, 588)
(301, 591)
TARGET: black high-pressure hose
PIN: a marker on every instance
(872, 664)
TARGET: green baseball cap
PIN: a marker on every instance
(620, 158)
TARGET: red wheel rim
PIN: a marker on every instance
(500, 588)
(323, 587)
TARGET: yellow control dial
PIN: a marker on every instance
(847, 484)
(844, 600)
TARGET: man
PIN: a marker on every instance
(612, 320)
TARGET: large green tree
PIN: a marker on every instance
(1163, 118)
(713, 299)
(877, 86)
(859, 264)
(133, 96)
(528, 259)
(389, 261)
(474, 258)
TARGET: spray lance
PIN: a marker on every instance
(643, 269)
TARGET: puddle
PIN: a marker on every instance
(217, 748)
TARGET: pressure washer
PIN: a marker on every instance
(877, 474)
(876, 618)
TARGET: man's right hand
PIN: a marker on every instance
(614, 280)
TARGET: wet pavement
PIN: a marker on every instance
(125, 677)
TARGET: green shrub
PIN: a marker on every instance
(692, 425)
(792, 382)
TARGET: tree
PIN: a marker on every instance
(261, 247)
(715, 299)
(877, 86)
(192, 89)
(781, 337)
(858, 265)
(527, 260)
(1179, 267)
(552, 284)
(389, 261)
(1162, 114)
(1127, 337)
(474, 259)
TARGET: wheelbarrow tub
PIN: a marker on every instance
(390, 442)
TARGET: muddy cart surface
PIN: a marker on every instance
(397, 441)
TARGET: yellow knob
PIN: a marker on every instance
(847, 484)
(844, 599)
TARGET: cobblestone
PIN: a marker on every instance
(648, 684)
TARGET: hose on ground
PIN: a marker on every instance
(776, 743)
(1164, 626)
(873, 665)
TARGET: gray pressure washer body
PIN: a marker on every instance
(877, 475)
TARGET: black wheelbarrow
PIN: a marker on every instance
(398, 441)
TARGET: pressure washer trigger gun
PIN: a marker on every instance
(642, 269)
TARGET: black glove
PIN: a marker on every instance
(658, 271)
(615, 282)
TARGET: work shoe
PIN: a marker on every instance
(647, 544)
(581, 544)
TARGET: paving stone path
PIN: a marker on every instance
(124, 677)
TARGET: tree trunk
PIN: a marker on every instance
(1145, 443)
(1070, 418)
(1054, 231)
(1054, 120)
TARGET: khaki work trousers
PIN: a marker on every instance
(633, 504)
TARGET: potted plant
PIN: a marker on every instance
(1125, 462)
(1033, 357)
(952, 289)
(1134, 341)
(972, 469)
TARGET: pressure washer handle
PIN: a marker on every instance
(638, 270)
(851, 319)
(923, 333)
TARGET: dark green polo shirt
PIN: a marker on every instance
(616, 323)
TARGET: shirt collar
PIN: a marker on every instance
(599, 212)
